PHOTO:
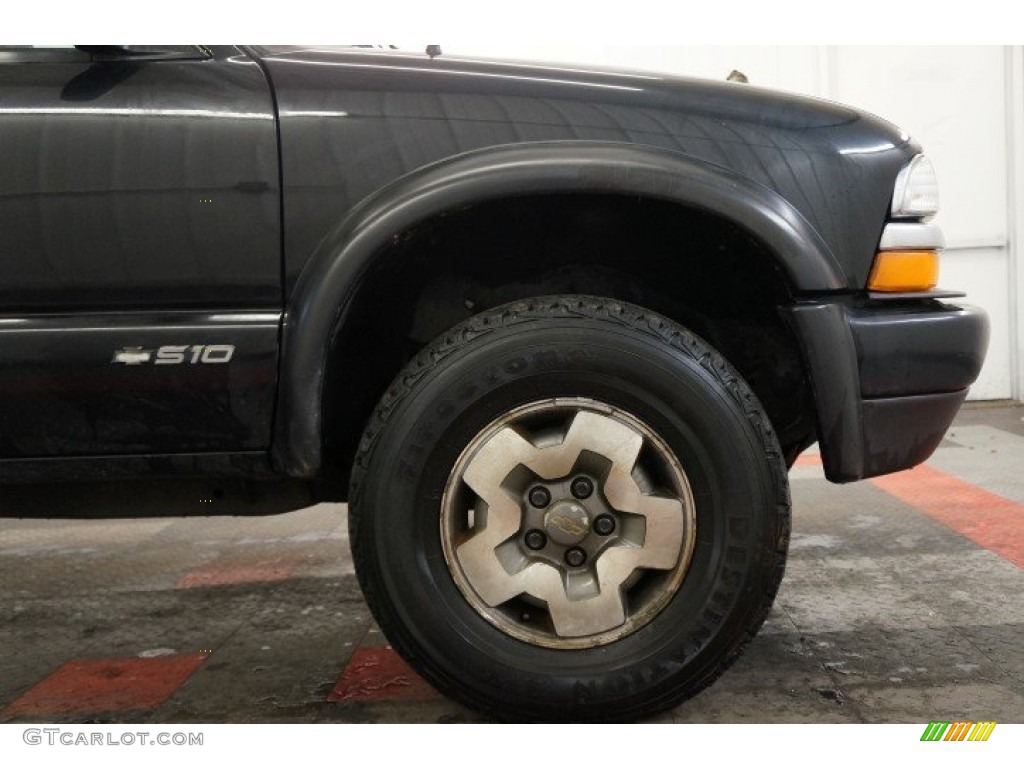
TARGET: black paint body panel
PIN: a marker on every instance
(887, 381)
(139, 206)
(61, 394)
(322, 300)
(373, 143)
(351, 121)
(902, 432)
(917, 351)
(240, 196)
(105, 173)
(830, 358)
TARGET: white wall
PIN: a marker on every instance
(964, 104)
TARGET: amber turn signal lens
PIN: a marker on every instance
(904, 271)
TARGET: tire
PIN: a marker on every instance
(541, 382)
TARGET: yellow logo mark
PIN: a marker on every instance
(961, 730)
(569, 525)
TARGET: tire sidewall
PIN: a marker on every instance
(682, 394)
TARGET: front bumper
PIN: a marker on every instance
(888, 378)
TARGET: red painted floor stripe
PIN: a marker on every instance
(104, 685)
(380, 674)
(808, 460)
(994, 522)
(213, 576)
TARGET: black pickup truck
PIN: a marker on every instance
(555, 334)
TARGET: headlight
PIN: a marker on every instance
(916, 195)
(908, 252)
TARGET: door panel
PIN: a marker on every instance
(162, 382)
(139, 208)
(137, 185)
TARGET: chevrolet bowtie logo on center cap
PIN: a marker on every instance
(570, 525)
(132, 356)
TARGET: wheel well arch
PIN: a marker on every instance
(519, 189)
(696, 268)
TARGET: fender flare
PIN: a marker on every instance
(330, 280)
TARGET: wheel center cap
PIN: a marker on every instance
(567, 522)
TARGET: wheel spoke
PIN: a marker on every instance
(663, 537)
(600, 613)
(580, 601)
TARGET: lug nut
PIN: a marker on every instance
(535, 539)
(540, 497)
(575, 557)
(604, 524)
(582, 487)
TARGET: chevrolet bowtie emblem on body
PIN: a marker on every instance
(132, 356)
(176, 354)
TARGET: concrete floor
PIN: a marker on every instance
(902, 602)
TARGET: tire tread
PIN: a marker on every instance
(622, 314)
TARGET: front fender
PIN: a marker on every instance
(332, 276)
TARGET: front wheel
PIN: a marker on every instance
(569, 508)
